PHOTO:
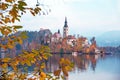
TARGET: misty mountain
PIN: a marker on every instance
(111, 38)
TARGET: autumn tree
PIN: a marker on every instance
(65, 46)
(78, 46)
(10, 12)
(93, 45)
(16, 67)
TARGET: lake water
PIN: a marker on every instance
(89, 67)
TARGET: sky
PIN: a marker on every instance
(85, 17)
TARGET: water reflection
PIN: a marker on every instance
(107, 64)
(81, 62)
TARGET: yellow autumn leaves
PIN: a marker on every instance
(11, 11)
(3, 6)
(13, 68)
(42, 76)
(25, 59)
(9, 42)
(64, 67)
(6, 60)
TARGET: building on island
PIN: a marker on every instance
(71, 40)
(56, 37)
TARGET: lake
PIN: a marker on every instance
(89, 67)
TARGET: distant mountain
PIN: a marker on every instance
(111, 38)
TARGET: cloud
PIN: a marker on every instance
(87, 17)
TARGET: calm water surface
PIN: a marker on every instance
(89, 67)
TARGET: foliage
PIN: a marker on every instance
(10, 12)
(65, 66)
(16, 68)
(20, 63)
(62, 73)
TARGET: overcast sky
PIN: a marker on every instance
(85, 17)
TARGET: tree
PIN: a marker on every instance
(16, 67)
(65, 46)
(10, 12)
(78, 45)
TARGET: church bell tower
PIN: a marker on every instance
(65, 28)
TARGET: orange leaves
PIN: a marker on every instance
(61, 61)
(33, 61)
(19, 40)
(14, 66)
(10, 43)
(65, 67)
(5, 30)
(22, 76)
(22, 61)
(35, 11)
(42, 66)
(7, 20)
(16, 62)
(64, 62)
(21, 5)
(42, 76)
(9, 1)
(1, 14)
(65, 72)
(6, 60)
(10, 46)
(68, 68)
(5, 65)
(11, 76)
(23, 35)
(45, 57)
(3, 6)
(30, 58)
(32, 13)
(17, 27)
(4, 47)
(57, 72)
(14, 14)
(11, 12)
(28, 62)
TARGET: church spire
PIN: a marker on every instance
(65, 25)
(58, 31)
(65, 29)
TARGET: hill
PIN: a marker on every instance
(111, 38)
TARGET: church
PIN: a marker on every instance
(56, 37)
(65, 30)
